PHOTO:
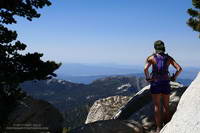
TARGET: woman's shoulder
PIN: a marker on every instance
(150, 57)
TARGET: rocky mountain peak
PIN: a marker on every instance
(135, 109)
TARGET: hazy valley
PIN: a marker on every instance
(75, 94)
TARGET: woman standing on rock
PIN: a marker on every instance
(160, 80)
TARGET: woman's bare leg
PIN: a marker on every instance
(156, 101)
(166, 107)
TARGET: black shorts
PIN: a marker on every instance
(160, 87)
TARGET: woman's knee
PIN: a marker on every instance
(157, 108)
(166, 108)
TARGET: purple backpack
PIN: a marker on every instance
(160, 69)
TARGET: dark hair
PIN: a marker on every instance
(159, 46)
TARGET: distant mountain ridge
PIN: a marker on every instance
(86, 73)
(49, 89)
(75, 99)
(89, 79)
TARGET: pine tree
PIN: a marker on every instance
(15, 67)
(194, 21)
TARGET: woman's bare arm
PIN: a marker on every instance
(177, 67)
(146, 69)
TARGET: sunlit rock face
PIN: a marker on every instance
(187, 117)
(104, 109)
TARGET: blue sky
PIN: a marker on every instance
(111, 31)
